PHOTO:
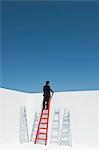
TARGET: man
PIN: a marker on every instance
(46, 93)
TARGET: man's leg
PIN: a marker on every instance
(43, 104)
(46, 104)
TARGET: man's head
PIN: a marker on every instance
(47, 82)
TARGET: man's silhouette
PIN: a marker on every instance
(47, 94)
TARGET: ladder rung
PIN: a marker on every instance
(45, 113)
(42, 128)
(41, 139)
(41, 133)
(44, 118)
(43, 123)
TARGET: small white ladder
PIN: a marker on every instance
(66, 130)
(55, 131)
(24, 135)
(35, 126)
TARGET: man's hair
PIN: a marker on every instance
(47, 82)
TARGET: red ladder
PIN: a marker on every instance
(42, 132)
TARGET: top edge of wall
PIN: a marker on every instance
(25, 92)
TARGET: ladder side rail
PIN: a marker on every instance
(26, 124)
(47, 121)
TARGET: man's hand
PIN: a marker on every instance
(52, 95)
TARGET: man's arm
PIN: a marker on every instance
(51, 90)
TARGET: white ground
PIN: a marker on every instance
(43, 147)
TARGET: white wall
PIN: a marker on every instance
(10, 102)
(84, 107)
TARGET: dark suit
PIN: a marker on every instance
(46, 90)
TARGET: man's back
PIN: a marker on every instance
(46, 90)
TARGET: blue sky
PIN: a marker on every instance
(56, 41)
